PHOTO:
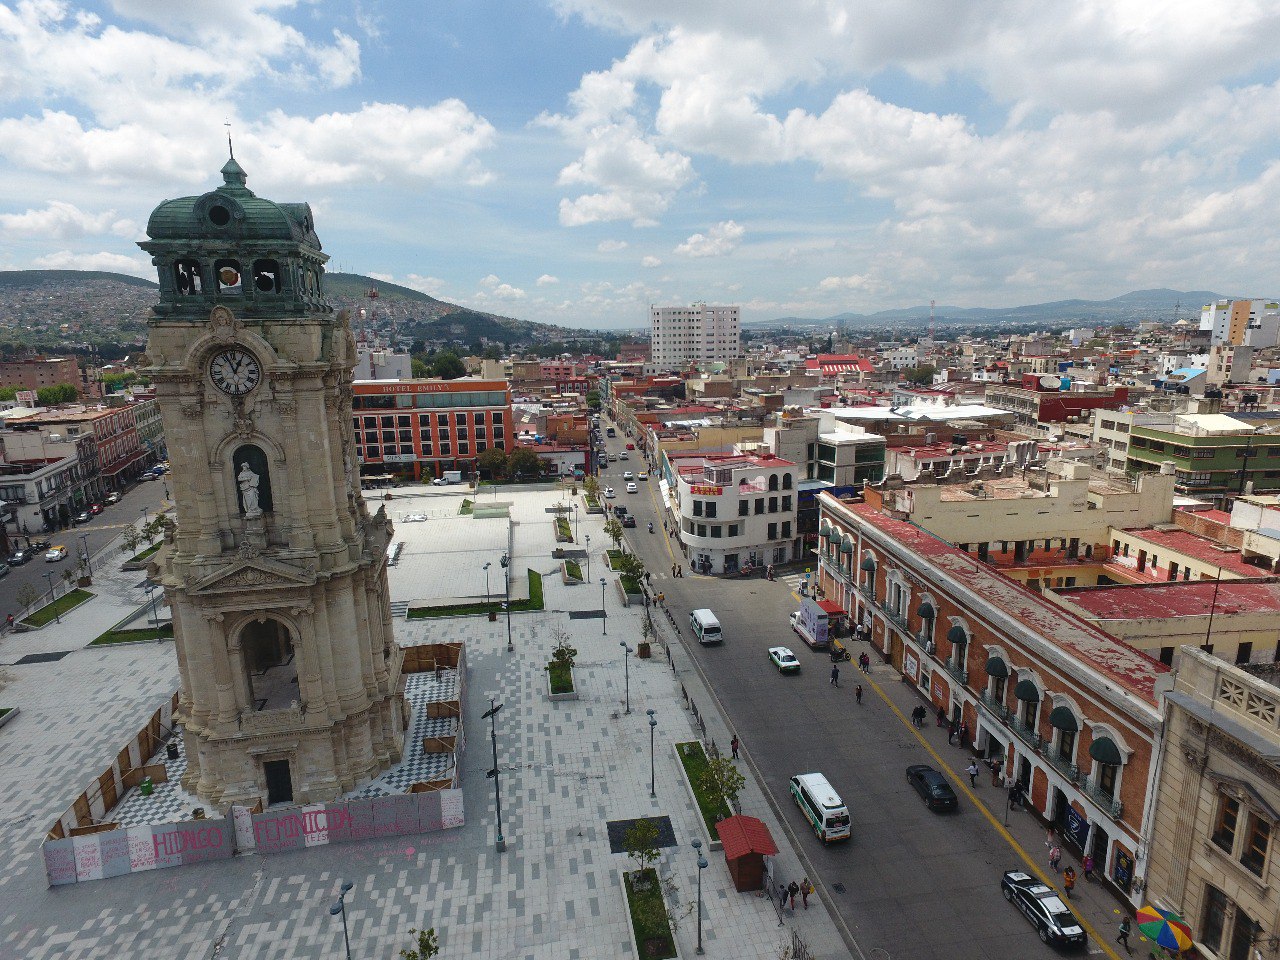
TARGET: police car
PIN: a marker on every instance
(1047, 912)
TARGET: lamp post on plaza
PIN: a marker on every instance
(49, 578)
(588, 558)
(150, 588)
(626, 670)
(339, 908)
(653, 724)
(505, 563)
(491, 715)
(84, 555)
(486, 583)
(575, 523)
(604, 617)
(702, 865)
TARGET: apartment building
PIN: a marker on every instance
(40, 372)
(1254, 323)
(1215, 456)
(693, 334)
(120, 454)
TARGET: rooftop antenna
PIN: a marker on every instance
(230, 149)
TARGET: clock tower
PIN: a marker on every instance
(274, 569)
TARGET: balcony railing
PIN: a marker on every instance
(1026, 733)
(1103, 799)
(995, 707)
(959, 673)
(895, 616)
(1065, 767)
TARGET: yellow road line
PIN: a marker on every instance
(1032, 865)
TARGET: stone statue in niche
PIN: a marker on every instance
(248, 481)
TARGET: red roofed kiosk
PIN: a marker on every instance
(747, 842)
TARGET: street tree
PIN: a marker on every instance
(721, 776)
(613, 530)
(424, 947)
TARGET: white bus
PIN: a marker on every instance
(705, 626)
(821, 806)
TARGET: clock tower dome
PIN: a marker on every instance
(274, 569)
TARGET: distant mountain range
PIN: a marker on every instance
(1138, 305)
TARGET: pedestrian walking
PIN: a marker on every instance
(972, 770)
(782, 896)
(673, 571)
(662, 599)
(857, 693)
(792, 889)
(835, 675)
(1087, 865)
(806, 888)
(1069, 879)
(964, 732)
(733, 746)
(1055, 857)
(921, 713)
(1126, 928)
(942, 717)
(996, 764)
(951, 734)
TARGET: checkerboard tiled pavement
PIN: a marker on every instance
(567, 769)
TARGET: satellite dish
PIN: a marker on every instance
(1050, 383)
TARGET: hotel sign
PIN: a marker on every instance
(705, 490)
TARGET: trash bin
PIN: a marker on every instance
(171, 750)
(146, 787)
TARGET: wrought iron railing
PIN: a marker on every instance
(959, 673)
(1026, 733)
(994, 707)
(1103, 799)
(1064, 766)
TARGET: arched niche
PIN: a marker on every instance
(266, 646)
(251, 456)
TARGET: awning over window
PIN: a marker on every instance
(1104, 750)
(846, 546)
(996, 667)
(957, 634)
(1026, 690)
(1063, 719)
(925, 611)
(868, 564)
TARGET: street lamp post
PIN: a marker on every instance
(505, 563)
(486, 584)
(575, 523)
(588, 558)
(702, 865)
(150, 588)
(626, 670)
(49, 578)
(339, 908)
(491, 715)
(84, 539)
(653, 724)
(146, 517)
(604, 617)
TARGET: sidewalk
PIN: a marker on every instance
(1092, 902)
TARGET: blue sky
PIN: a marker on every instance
(572, 161)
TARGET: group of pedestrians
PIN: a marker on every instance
(787, 894)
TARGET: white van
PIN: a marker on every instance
(821, 806)
(705, 626)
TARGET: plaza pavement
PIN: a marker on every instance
(567, 768)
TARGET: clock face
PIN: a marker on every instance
(235, 372)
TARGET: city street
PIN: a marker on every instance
(911, 883)
(99, 531)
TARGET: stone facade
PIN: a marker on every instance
(1218, 801)
(276, 573)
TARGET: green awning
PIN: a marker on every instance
(925, 611)
(1104, 750)
(957, 634)
(1063, 719)
(996, 667)
(868, 564)
(846, 546)
(1026, 690)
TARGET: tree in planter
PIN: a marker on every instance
(641, 843)
(494, 462)
(722, 777)
(424, 947)
(526, 463)
(153, 529)
(613, 530)
(67, 577)
(562, 653)
(631, 566)
(27, 595)
(591, 487)
(132, 540)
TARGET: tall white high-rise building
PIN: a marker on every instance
(693, 334)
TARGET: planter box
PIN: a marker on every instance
(713, 843)
(557, 697)
(13, 712)
(631, 927)
(569, 579)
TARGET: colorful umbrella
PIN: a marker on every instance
(1165, 928)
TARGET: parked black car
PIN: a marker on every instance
(932, 787)
(19, 558)
(628, 520)
(1047, 911)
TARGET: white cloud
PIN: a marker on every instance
(428, 285)
(716, 242)
(114, 262)
(852, 282)
(65, 221)
(547, 280)
(611, 246)
(650, 262)
(494, 289)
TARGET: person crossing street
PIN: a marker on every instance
(835, 675)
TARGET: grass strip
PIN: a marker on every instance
(615, 558)
(51, 611)
(563, 530)
(649, 914)
(139, 557)
(630, 584)
(535, 602)
(574, 569)
(466, 507)
(561, 677)
(134, 636)
(711, 803)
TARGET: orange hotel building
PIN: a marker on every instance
(417, 429)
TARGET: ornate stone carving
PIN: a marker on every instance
(224, 323)
(252, 577)
(243, 427)
(248, 482)
(247, 550)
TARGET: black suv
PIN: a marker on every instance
(933, 787)
(1047, 912)
(19, 558)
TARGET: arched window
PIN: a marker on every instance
(253, 480)
(186, 277)
(267, 649)
(227, 273)
(773, 481)
(786, 481)
(266, 276)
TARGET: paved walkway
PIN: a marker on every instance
(567, 769)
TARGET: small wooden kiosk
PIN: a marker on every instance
(747, 842)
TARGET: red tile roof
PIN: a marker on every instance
(743, 835)
(1129, 667)
(1192, 598)
(1201, 548)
